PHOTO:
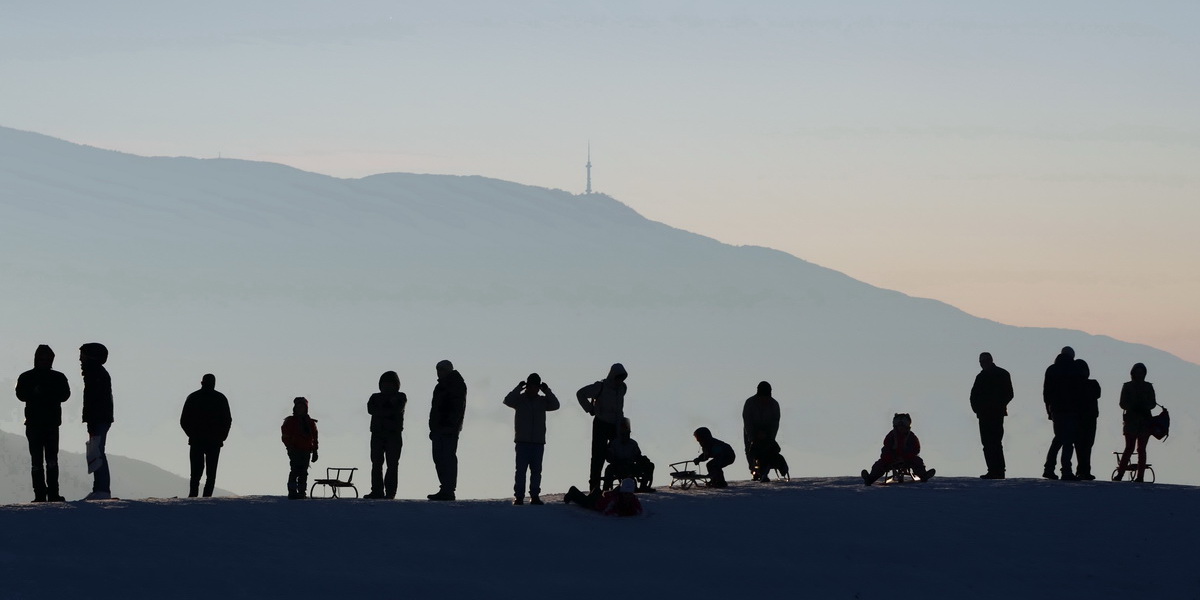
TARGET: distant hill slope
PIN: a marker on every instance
(831, 538)
(131, 478)
(286, 283)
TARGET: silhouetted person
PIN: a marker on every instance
(531, 399)
(206, 421)
(990, 396)
(1059, 397)
(1087, 411)
(43, 390)
(97, 412)
(605, 401)
(387, 427)
(1137, 398)
(299, 434)
(760, 423)
(718, 454)
(446, 414)
(625, 459)
(901, 448)
(621, 502)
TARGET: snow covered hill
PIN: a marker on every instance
(285, 283)
(811, 538)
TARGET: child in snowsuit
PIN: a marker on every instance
(901, 448)
(621, 502)
(718, 454)
(300, 439)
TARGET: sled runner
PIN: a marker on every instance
(685, 477)
(333, 482)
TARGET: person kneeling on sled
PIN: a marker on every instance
(621, 502)
(625, 459)
(901, 448)
(718, 454)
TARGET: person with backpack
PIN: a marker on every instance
(299, 434)
(1059, 397)
(43, 390)
(206, 421)
(718, 454)
(97, 414)
(1137, 399)
(386, 408)
(990, 396)
(760, 425)
(1087, 406)
(446, 413)
(530, 400)
(605, 401)
(901, 449)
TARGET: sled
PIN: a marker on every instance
(684, 477)
(1131, 470)
(333, 482)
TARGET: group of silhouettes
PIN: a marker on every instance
(1071, 399)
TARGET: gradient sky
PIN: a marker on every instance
(1033, 163)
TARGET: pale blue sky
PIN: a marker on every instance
(1029, 162)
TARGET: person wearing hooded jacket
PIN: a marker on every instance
(621, 502)
(446, 413)
(387, 427)
(530, 400)
(1137, 400)
(300, 439)
(605, 401)
(901, 448)
(990, 395)
(1058, 395)
(718, 454)
(1087, 405)
(43, 390)
(206, 421)
(97, 412)
(760, 424)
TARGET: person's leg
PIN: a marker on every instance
(535, 469)
(50, 452)
(1068, 428)
(102, 480)
(1142, 438)
(1085, 438)
(391, 455)
(749, 455)
(196, 462)
(917, 466)
(1123, 462)
(377, 456)
(445, 461)
(293, 473)
(522, 465)
(1052, 455)
(991, 432)
(212, 456)
(716, 471)
(602, 434)
(302, 461)
(437, 445)
(37, 449)
(877, 470)
(646, 473)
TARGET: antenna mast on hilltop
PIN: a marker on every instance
(589, 169)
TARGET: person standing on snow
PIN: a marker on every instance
(43, 390)
(97, 413)
(446, 413)
(387, 427)
(299, 435)
(531, 400)
(990, 396)
(206, 421)
(760, 424)
(605, 401)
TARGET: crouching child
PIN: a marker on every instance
(718, 454)
(300, 440)
(901, 449)
(621, 502)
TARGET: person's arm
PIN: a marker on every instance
(226, 418)
(511, 399)
(587, 397)
(976, 394)
(773, 425)
(552, 402)
(1008, 388)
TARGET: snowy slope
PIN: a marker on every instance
(812, 538)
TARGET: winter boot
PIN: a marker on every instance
(536, 500)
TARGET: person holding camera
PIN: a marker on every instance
(531, 400)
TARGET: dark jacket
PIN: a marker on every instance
(529, 421)
(43, 390)
(97, 394)
(991, 393)
(1137, 398)
(1057, 387)
(449, 404)
(1087, 398)
(299, 433)
(760, 418)
(622, 450)
(714, 448)
(900, 447)
(387, 413)
(205, 418)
